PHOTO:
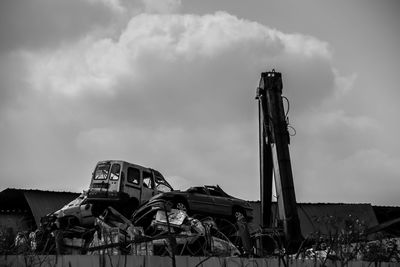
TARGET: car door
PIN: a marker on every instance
(132, 183)
(147, 186)
(99, 184)
(114, 179)
(222, 203)
(200, 201)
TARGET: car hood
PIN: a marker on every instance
(167, 194)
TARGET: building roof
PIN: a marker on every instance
(389, 217)
(325, 218)
(39, 202)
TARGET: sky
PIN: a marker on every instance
(170, 85)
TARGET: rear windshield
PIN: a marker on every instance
(101, 171)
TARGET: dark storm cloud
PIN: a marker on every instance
(39, 24)
(82, 81)
(175, 92)
(183, 70)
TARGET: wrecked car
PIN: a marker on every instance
(77, 212)
(192, 236)
(218, 232)
(114, 183)
(208, 200)
(124, 183)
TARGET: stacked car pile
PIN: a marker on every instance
(154, 229)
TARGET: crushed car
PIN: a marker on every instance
(77, 212)
(173, 229)
(130, 209)
(165, 231)
(208, 200)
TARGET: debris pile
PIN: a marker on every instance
(114, 234)
(173, 232)
(154, 229)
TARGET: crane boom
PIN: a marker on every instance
(275, 158)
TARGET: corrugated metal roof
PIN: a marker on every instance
(320, 217)
(325, 218)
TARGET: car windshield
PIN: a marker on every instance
(198, 190)
(102, 171)
(217, 191)
(161, 184)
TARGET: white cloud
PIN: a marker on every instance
(305, 45)
(92, 65)
(166, 39)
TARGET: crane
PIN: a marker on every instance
(275, 162)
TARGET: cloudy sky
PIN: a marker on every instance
(170, 84)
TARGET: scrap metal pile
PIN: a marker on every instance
(153, 229)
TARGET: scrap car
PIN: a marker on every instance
(207, 200)
(122, 184)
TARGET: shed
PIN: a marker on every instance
(22, 209)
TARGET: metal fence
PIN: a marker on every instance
(158, 261)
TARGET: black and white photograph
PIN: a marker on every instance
(199, 133)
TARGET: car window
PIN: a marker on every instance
(161, 185)
(215, 193)
(101, 171)
(115, 170)
(133, 175)
(197, 190)
(147, 181)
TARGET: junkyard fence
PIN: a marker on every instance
(155, 261)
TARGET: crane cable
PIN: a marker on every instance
(288, 125)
